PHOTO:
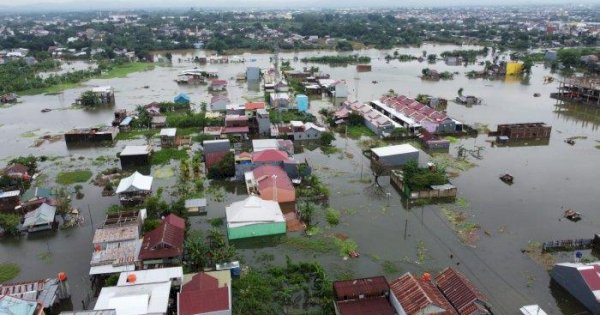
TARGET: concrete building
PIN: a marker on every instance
(264, 122)
(254, 217)
(525, 131)
(394, 155)
(306, 131)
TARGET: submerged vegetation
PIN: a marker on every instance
(8, 271)
(72, 177)
(338, 60)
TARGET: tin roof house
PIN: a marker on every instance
(40, 219)
(254, 217)
(462, 294)
(134, 189)
(163, 246)
(13, 305)
(206, 294)
(362, 296)
(270, 183)
(416, 296)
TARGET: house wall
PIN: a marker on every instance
(132, 161)
(447, 126)
(311, 134)
(264, 126)
(396, 304)
(255, 230)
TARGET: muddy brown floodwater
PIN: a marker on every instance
(548, 178)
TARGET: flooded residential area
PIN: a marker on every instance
(293, 175)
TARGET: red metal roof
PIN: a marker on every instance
(270, 155)
(371, 306)
(353, 289)
(243, 129)
(461, 293)
(203, 295)
(591, 276)
(176, 221)
(164, 241)
(16, 168)
(218, 82)
(416, 294)
(254, 105)
(285, 189)
(211, 159)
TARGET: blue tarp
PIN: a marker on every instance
(181, 98)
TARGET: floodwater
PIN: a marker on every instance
(548, 179)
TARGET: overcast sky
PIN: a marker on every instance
(110, 4)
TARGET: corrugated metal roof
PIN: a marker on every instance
(461, 293)
(415, 295)
(375, 306)
(352, 289)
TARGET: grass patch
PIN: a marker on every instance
(79, 176)
(452, 165)
(314, 244)
(346, 246)
(466, 230)
(389, 267)
(184, 132)
(534, 251)
(597, 146)
(54, 89)
(216, 222)
(164, 172)
(29, 134)
(121, 71)
(332, 216)
(421, 252)
(167, 154)
(357, 131)
(462, 202)
(451, 139)
(329, 150)
(8, 271)
(137, 134)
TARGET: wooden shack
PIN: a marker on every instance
(91, 135)
(135, 155)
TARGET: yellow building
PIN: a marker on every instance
(514, 68)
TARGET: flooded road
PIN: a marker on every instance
(548, 179)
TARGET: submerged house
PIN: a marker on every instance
(206, 293)
(168, 137)
(581, 280)
(92, 135)
(280, 101)
(217, 85)
(219, 103)
(306, 131)
(182, 98)
(9, 200)
(270, 183)
(362, 296)
(17, 170)
(40, 219)
(524, 131)
(134, 156)
(415, 296)
(395, 155)
(461, 293)
(163, 246)
(133, 190)
(195, 206)
(254, 217)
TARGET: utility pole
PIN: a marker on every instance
(91, 219)
(405, 227)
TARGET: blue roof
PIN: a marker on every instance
(11, 305)
(126, 121)
(181, 97)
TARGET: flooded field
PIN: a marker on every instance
(391, 239)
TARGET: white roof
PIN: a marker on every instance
(151, 276)
(138, 299)
(296, 123)
(102, 89)
(109, 268)
(135, 150)
(310, 125)
(532, 310)
(169, 132)
(394, 150)
(44, 214)
(264, 144)
(253, 210)
(135, 182)
(12, 193)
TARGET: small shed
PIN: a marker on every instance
(302, 102)
(182, 98)
(168, 137)
(135, 155)
(134, 189)
(196, 206)
(40, 219)
(158, 121)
